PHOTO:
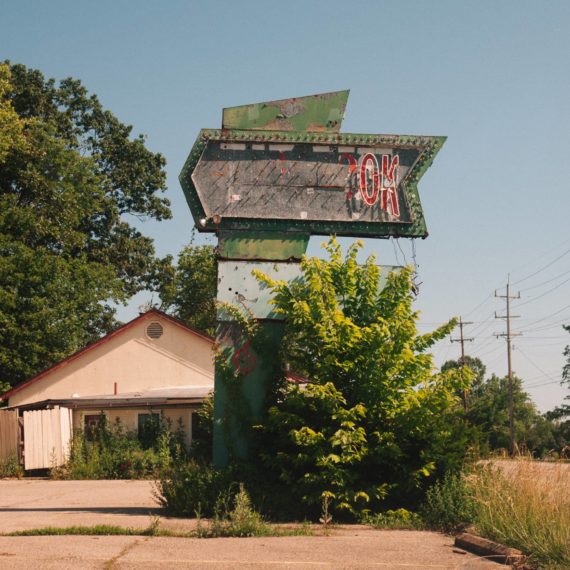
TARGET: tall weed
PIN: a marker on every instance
(10, 467)
(448, 506)
(525, 504)
(241, 520)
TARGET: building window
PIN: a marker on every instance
(154, 330)
(148, 425)
(92, 425)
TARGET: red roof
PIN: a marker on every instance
(101, 341)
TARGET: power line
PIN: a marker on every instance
(488, 320)
(542, 268)
(539, 256)
(548, 316)
(489, 296)
(546, 282)
(542, 384)
(534, 364)
(533, 299)
(494, 349)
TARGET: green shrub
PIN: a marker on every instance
(188, 488)
(10, 467)
(448, 505)
(375, 422)
(241, 520)
(117, 453)
(395, 519)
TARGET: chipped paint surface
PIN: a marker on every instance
(314, 179)
(309, 183)
(276, 246)
(237, 285)
(315, 113)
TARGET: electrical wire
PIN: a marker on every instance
(534, 364)
(480, 304)
(545, 282)
(533, 299)
(395, 252)
(548, 316)
(542, 268)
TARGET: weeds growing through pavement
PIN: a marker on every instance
(526, 505)
(10, 467)
(326, 517)
(395, 519)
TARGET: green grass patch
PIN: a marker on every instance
(207, 531)
(97, 530)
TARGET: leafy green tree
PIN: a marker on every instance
(474, 364)
(560, 415)
(563, 411)
(189, 291)
(70, 176)
(375, 421)
(489, 413)
(566, 369)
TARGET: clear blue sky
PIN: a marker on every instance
(494, 76)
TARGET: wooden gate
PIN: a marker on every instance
(9, 434)
(47, 436)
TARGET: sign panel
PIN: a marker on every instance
(237, 285)
(304, 181)
(313, 113)
(345, 184)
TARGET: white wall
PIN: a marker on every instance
(132, 360)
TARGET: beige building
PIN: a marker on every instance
(153, 364)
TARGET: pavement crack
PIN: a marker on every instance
(111, 563)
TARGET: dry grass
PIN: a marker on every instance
(525, 504)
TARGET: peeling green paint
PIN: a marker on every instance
(278, 246)
(314, 113)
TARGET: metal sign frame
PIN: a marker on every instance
(428, 147)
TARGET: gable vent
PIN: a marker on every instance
(154, 330)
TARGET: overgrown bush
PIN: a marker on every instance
(190, 488)
(10, 467)
(375, 421)
(448, 505)
(115, 452)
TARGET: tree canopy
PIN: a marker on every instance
(188, 291)
(487, 414)
(71, 177)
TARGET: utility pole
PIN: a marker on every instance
(463, 340)
(509, 335)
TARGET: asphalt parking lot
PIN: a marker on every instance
(30, 504)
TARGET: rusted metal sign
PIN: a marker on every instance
(358, 185)
(276, 173)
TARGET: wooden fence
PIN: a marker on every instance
(47, 435)
(9, 434)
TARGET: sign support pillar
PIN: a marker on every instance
(245, 376)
